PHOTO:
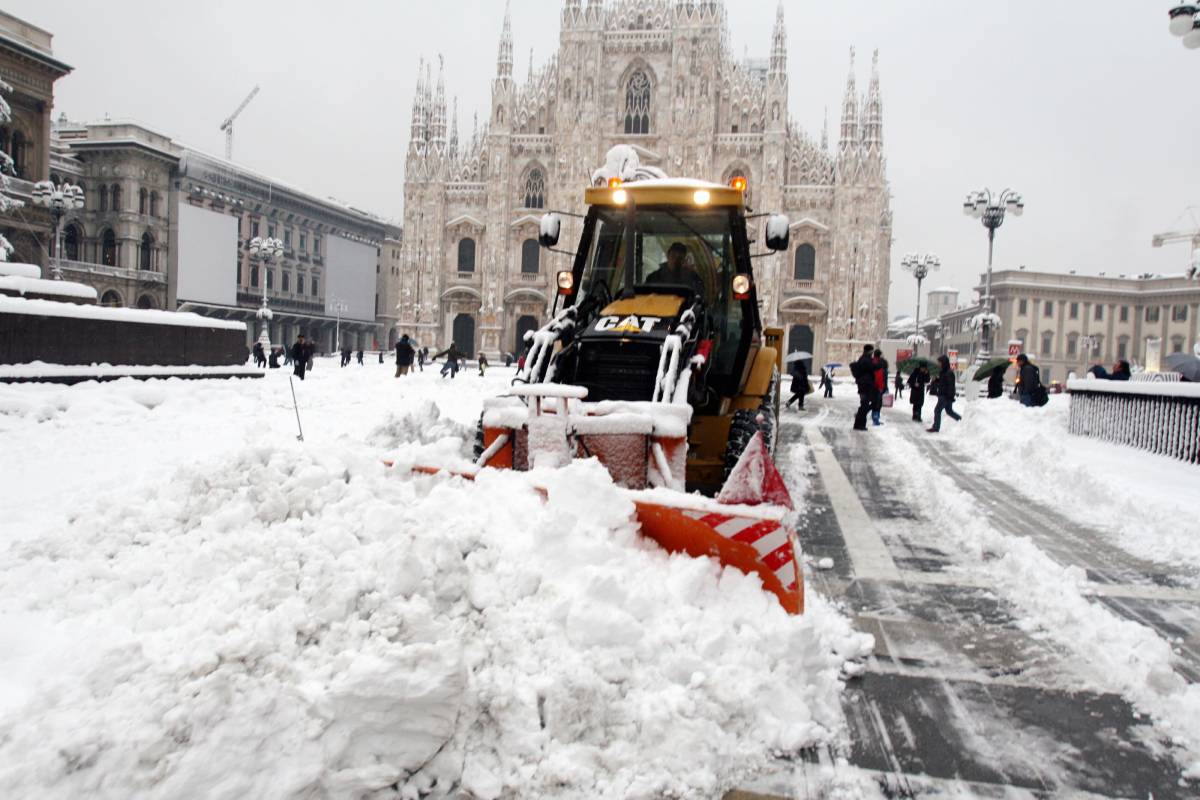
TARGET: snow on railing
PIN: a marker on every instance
(541, 348)
(1160, 417)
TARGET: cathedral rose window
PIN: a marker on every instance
(637, 103)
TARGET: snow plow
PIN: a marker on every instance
(655, 363)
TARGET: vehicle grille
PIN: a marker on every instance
(617, 370)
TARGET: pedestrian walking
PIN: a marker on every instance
(483, 364)
(899, 382)
(1029, 383)
(800, 385)
(996, 383)
(404, 355)
(257, 352)
(310, 350)
(827, 381)
(422, 357)
(945, 387)
(299, 356)
(273, 361)
(917, 382)
(881, 372)
(381, 355)
(863, 371)
(359, 357)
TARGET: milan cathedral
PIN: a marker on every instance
(658, 75)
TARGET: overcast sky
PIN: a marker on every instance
(1088, 109)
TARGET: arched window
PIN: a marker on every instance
(146, 252)
(103, 197)
(1047, 345)
(535, 189)
(530, 254)
(637, 103)
(466, 255)
(806, 263)
(145, 301)
(108, 249)
(71, 239)
(116, 198)
(143, 201)
(112, 299)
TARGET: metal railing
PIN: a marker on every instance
(141, 275)
(1159, 417)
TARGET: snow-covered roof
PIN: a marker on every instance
(943, 289)
(50, 308)
(20, 270)
(23, 285)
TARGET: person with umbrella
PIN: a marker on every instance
(1028, 380)
(945, 387)
(996, 384)
(800, 385)
(917, 381)
(827, 380)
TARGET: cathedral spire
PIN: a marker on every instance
(873, 110)
(849, 137)
(504, 61)
(437, 128)
(825, 131)
(454, 131)
(427, 101)
(418, 108)
(778, 71)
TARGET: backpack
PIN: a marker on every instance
(855, 370)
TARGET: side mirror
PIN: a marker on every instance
(551, 227)
(778, 232)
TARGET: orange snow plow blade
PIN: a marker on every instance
(764, 547)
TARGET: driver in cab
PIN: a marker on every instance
(677, 271)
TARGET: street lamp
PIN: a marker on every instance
(59, 199)
(1185, 23)
(338, 306)
(919, 265)
(267, 250)
(990, 210)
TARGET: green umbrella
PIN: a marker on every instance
(910, 364)
(988, 367)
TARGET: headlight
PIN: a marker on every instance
(619, 196)
(566, 282)
(701, 197)
(741, 286)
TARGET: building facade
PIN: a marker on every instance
(657, 75)
(1067, 323)
(28, 66)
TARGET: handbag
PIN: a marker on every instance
(888, 400)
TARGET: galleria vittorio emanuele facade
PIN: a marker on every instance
(658, 75)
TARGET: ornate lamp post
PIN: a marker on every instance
(338, 306)
(990, 210)
(59, 199)
(266, 250)
(1185, 23)
(919, 265)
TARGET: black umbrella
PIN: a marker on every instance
(1185, 365)
(988, 367)
(910, 364)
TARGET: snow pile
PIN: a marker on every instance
(286, 620)
(1147, 501)
(20, 270)
(22, 285)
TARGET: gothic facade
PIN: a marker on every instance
(658, 75)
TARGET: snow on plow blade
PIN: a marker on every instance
(644, 448)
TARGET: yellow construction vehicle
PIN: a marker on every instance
(656, 363)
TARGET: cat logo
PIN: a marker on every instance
(630, 324)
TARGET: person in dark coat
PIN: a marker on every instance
(881, 373)
(996, 383)
(257, 351)
(359, 357)
(453, 356)
(827, 381)
(917, 382)
(483, 364)
(945, 387)
(1028, 379)
(422, 357)
(299, 356)
(899, 382)
(273, 361)
(1121, 371)
(864, 377)
(404, 355)
(800, 385)
(381, 355)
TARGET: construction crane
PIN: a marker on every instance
(227, 125)
(1192, 235)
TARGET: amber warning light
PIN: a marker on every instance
(613, 183)
(738, 182)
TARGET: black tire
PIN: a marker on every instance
(745, 423)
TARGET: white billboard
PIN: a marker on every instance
(208, 256)
(350, 278)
